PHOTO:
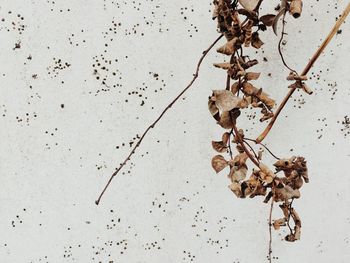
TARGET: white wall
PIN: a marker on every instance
(54, 165)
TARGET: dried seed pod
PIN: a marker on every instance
(294, 76)
(296, 7)
(306, 89)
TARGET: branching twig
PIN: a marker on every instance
(195, 76)
(313, 59)
(263, 145)
(250, 156)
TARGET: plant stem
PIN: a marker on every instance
(313, 59)
(195, 76)
(240, 139)
(270, 232)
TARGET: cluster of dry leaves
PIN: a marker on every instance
(241, 24)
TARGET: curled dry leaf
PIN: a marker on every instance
(266, 174)
(213, 110)
(219, 163)
(225, 138)
(248, 33)
(250, 5)
(225, 100)
(236, 189)
(230, 47)
(226, 121)
(285, 193)
(250, 90)
(225, 66)
(238, 174)
(235, 87)
(278, 16)
(266, 116)
(219, 146)
(267, 20)
(279, 222)
(252, 76)
(256, 41)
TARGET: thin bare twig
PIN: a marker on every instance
(281, 41)
(270, 232)
(195, 76)
(264, 145)
(240, 140)
(309, 65)
(251, 148)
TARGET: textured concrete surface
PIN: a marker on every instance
(79, 79)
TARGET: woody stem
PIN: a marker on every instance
(307, 68)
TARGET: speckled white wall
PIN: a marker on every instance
(79, 79)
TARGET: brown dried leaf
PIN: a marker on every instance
(219, 146)
(215, 11)
(235, 87)
(250, 90)
(238, 174)
(285, 193)
(252, 75)
(225, 138)
(266, 174)
(213, 110)
(284, 164)
(229, 48)
(236, 189)
(279, 222)
(250, 5)
(225, 100)
(268, 19)
(248, 33)
(225, 66)
(256, 41)
(277, 17)
(266, 116)
(226, 120)
(218, 163)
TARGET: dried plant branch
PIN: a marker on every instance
(266, 148)
(240, 139)
(309, 65)
(281, 41)
(270, 232)
(251, 148)
(195, 76)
